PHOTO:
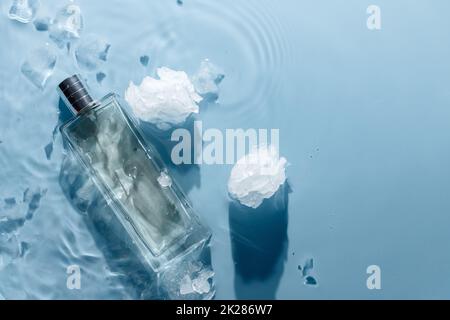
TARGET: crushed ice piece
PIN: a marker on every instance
(307, 267)
(39, 66)
(201, 283)
(91, 52)
(207, 79)
(164, 180)
(310, 281)
(186, 285)
(100, 76)
(23, 10)
(197, 281)
(10, 249)
(42, 24)
(166, 101)
(144, 60)
(257, 176)
(67, 25)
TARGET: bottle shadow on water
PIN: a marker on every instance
(259, 245)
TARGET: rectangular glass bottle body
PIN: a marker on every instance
(159, 219)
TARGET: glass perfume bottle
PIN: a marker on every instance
(128, 172)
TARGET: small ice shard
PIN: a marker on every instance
(10, 249)
(42, 24)
(48, 150)
(23, 10)
(100, 76)
(197, 281)
(186, 285)
(166, 101)
(310, 281)
(144, 60)
(92, 52)
(39, 66)
(257, 176)
(207, 79)
(307, 267)
(10, 202)
(164, 180)
(67, 25)
(201, 284)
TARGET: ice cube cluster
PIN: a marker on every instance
(23, 10)
(207, 79)
(63, 29)
(166, 101)
(257, 176)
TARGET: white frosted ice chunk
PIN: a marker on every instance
(207, 79)
(92, 52)
(166, 101)
(257, 176)
(23, 10)
(39, 66)
(67, 25)
(164, 180)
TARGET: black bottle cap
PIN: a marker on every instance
(74, 92)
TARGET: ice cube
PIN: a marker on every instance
(39, 66)
(207, 79)
(92, 52)
(164, 180)
(67, 25)
(166, 101)
(257, 176)
(23, 10)
(42, 24)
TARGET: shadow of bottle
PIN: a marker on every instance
(259, 245)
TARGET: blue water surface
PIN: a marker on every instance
(363, 118)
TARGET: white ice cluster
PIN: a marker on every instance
(257, 176)
(166, 101)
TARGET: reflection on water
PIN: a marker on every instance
(259, 245)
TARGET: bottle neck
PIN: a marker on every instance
(75, 95)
